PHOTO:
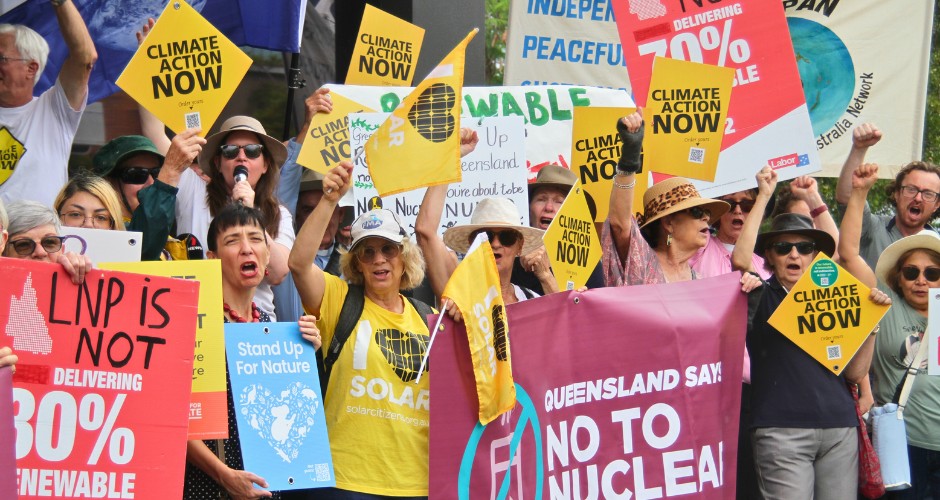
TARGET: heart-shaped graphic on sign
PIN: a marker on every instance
(432, 115)
(403, 351)
(282, 419)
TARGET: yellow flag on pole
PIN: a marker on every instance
(419, 144)
(474, 289)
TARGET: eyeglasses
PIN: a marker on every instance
(138, 175)
(507, 237)
(230, 151)
(803, 247)
(75, 219)
(698, 212)
(367, 255)
(745, 204)
(26, 246)
(911, 273)
(5, 59)
(911, 192)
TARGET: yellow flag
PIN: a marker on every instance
(419, 144)
(474, 289)
(828, 314)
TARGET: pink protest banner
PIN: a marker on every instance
(768, 121)
(621, 391)
(101, 390)
(7, 448)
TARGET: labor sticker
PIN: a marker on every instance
(828, 314)
(184, 66)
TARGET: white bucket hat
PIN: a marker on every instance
(925, 239)
(493, 213)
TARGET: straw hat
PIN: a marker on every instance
(493, 213)
(795, 224)
(554, 176)
(925, 239)
(675, 195)
(274, 147)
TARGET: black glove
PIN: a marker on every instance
(630, 159)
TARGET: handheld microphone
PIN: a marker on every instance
(241, 173)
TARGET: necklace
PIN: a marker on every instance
(255, 315)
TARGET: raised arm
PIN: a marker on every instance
(620, 215)
(864, 136)
(742, 256)
(82, 54)
(862, 180)
(805, 188)
(308, 278)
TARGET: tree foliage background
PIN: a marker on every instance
(497, 21)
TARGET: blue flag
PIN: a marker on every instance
(265, 24)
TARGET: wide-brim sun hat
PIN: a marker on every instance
(674, 195)
(799, 225)
(493, 213)
(555, 176)
(119, 149)
(925, 239)
(378, 223)
(274, 147)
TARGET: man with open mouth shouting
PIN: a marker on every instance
(915, 195)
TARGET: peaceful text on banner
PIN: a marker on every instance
(828, 314)
(494, 168)
(208, 411)
(185, 71)
(474, 288)
(768, 120)
(96, 360)
(419, 144)
(547, 111)
(604, 410)
(278, 405)
(386, 51)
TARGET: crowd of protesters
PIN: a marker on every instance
(287, 252)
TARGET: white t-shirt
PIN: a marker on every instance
(45, 127)
(192, 216)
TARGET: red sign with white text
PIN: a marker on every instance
(101, 390)
(767, 114)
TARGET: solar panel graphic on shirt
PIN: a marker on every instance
(403, 351)
(431, 115)
(499, 332)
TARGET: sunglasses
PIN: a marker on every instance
(367, 255)
(803, 247)
(26, 246)
(138, 175)
(230, 151)
(507, 237)
(745, 204)
(911, 273)
(698, 212)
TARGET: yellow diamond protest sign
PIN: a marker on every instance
(595, 151)
(11, 150)
(571, 241)
(185, 71)
(386, 51)
(685, 113)
(828, 314)
(327, 140)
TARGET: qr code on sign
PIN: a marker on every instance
(193, 120)
(696, 155)
(323, 472)
(834, 352)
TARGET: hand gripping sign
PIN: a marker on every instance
(828, 314)
(101, 390)
(185, 71)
